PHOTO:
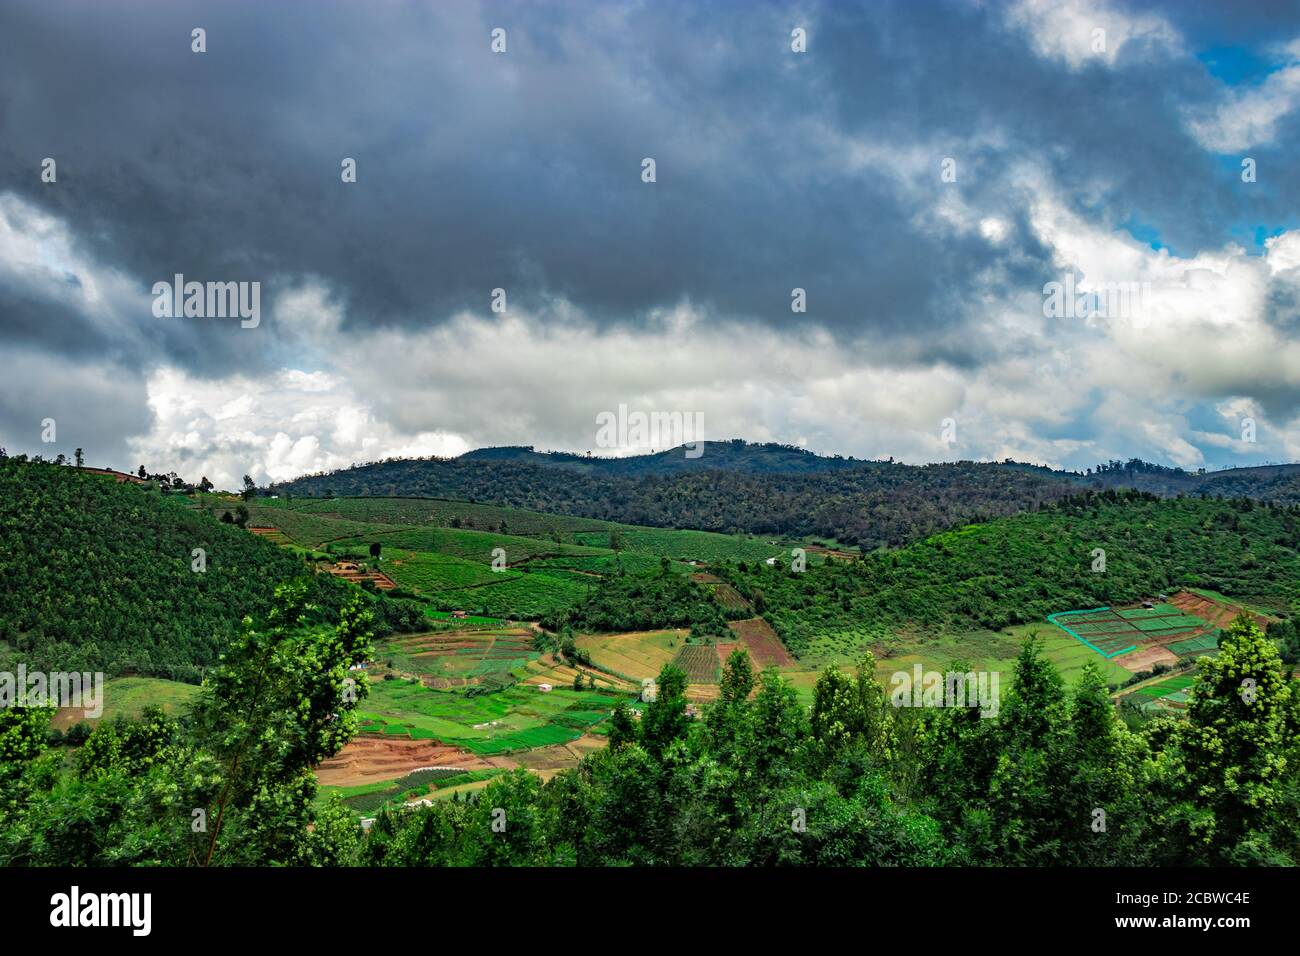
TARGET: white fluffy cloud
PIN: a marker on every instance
(1248, 117)
(1172, 381)
(272, 428)
(1088, 31)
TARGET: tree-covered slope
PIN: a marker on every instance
(870, 504)
(98, 575)
(1019, 569)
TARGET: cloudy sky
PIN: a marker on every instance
(922, 170)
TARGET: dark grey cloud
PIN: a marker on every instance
(522, 170)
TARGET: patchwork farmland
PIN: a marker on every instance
(477, 688)
(1116, 631)
(1140, 638)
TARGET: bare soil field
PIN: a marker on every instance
(371, 759)
(764, 646)
(1218, 613)
(557, 757)
(1144, 658)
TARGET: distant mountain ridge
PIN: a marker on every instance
(732, 455)
(770, 488)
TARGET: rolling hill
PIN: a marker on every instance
(101, 576)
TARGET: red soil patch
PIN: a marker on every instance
(1144, 658)
(762, 643)
(381, 581)
(1218, 613)
(370, 759)
(724, 650)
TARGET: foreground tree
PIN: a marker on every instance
(1231, 760)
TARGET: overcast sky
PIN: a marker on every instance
(922, 170)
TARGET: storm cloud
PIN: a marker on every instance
(1114, 156)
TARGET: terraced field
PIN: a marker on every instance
(633, 656)
(458, 658)
(1113, 632)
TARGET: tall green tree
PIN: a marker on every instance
(1232, 754)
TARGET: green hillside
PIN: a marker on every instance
(98, 576)
(1018, 570)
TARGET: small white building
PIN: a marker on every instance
(544, 688)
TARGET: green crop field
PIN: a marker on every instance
(382, 513)
(368, 798)
(517, 718)
(693, 545)
(128, 696)
(1115, 631)
(699, 662)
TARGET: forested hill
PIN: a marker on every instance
(774, 489)
(1279, 483)
(1018, 570)
(866, 503)
(733, 455)
(98, 576)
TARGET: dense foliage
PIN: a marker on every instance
(1054, 779)
(643, 602)
(102, 576)
(229, 783)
